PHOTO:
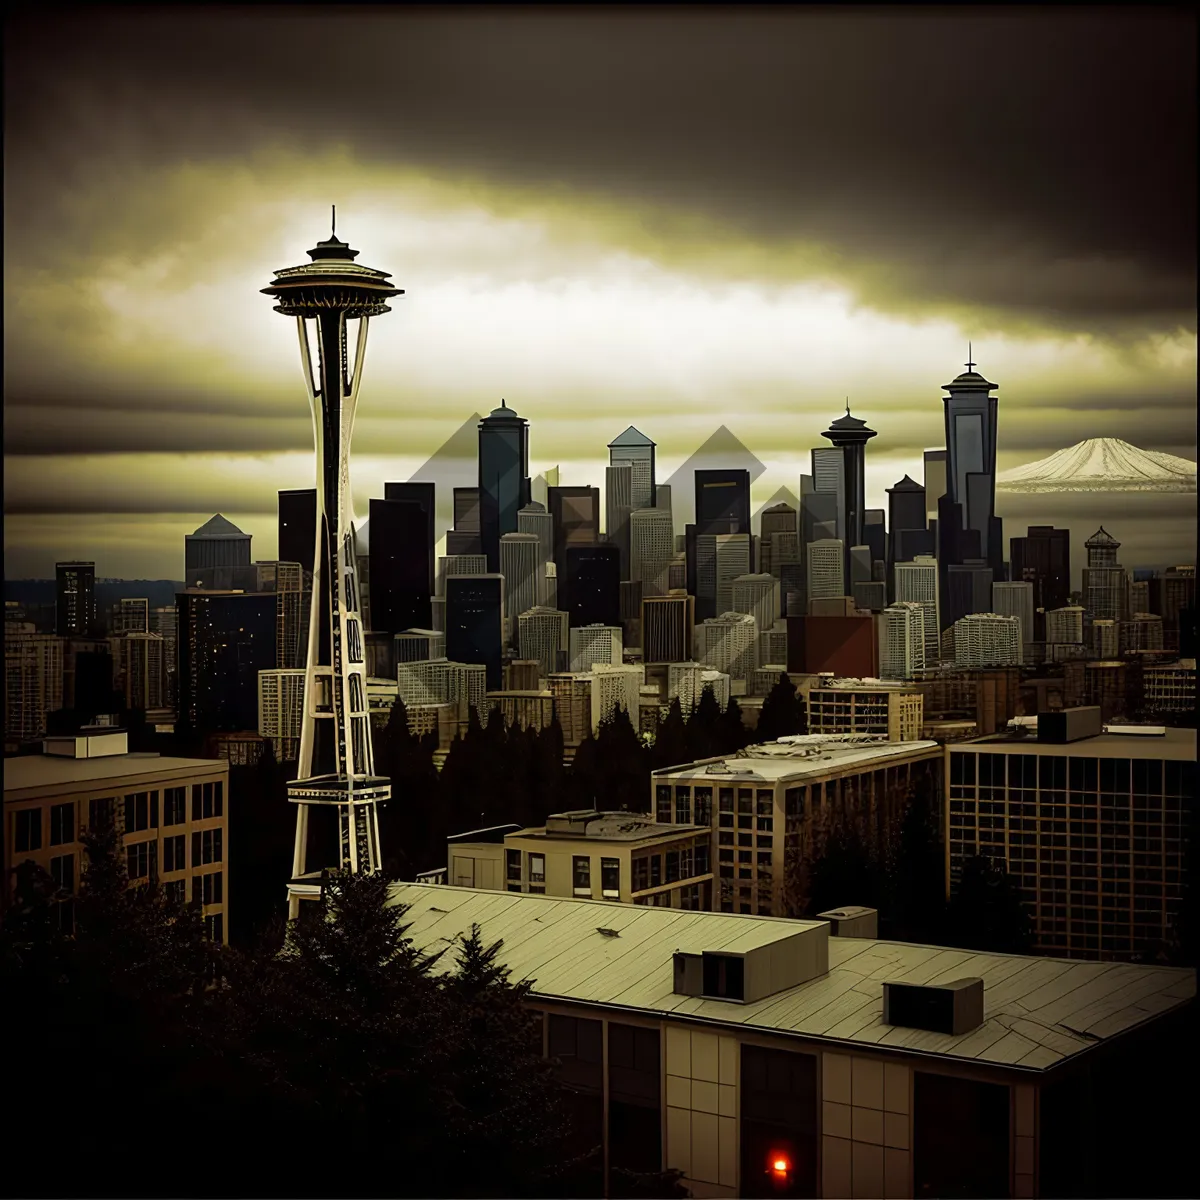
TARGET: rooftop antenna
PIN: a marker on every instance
(847, 406)
(970, 364)
(333, 220)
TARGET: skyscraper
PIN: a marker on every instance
(336, 767)
(851, 435)
(543, 635)
(75, 598)
(1064, 626)
(918, 581)
(591, 589)
(970, 416)
(520, 563)
(217, 543)
(474, 623)
(424, 496)
(722, 501)
(459, 564)
(779, 518)
(651, 549)
(144, 674)
(757, 595)
(728, 643)
(731, 561)
(1104, 579)
(969, 589)
(987, 640)
(534, 518)
(636, 449)
(902, 644)
(503, 477)
(401, 563)
(826, 564)
(33, 683)
(1043, 558)
(1015, 599)
(591, 644)
(667, 624)
(575, 516)
(618, 504)
(935, 481)
(298, 526)
(130, 614)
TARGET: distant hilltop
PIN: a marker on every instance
(1102, 465)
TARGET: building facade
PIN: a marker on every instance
(902, 640)
(667, 627)
(987, 640)
(866, 708)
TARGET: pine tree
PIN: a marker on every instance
(671, 741)
(703, 727)
(844, 871)
(915, 907)
(986, 911)
(732, 732)
(622, 766)
(781, 713)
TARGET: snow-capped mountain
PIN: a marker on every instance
(1102, 465)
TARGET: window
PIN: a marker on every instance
(672, 866)
(62, 824)
(208, 889)
(175, 890)
(175, 853)
(634, 1127)
(354, 652)
(766, 802)
(656, 870)
(578, 1045)
(686, 863)
(683, 805)
(537, 869)
(724, 976)
(28, 834)
(207, 801)
(702, 864)
(512, 865)
(745, 805)
(793, 802)
(726, 800)
(206, 847)
(62, 871)
(662, 802)
(641, 874)
(101, 812)
(137, 860)
(581, 874)
(214, 927)
(610, 878)
(141, 812)
(702, 800)
(174, 806)
(961, 1137)
(779, 1119)
(962, 769)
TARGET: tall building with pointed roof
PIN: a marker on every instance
(217, 543)
(851, 435)
(970, 414)
(635, 449)
(504, 485)
(1105, 581)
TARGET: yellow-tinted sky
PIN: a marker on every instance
(676, 223)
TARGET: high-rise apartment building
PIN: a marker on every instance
(520, 562)
(33, 682)
(590, 587)
(572, 705)
(419, 645)
(780, 518)
(503, 477)
(217, 543)
(75, 599)
(826, 569)
(459, 564)
(987, 640)
(1143, 631)
(1043, 557)
(534, 519)
(688, 681)
(667, 624)
(1105, 581)
(130, 614)
(591, 644)
(828, 480)
(475, 622)
(917, 581)
(731, 561)
(651, 549)
(902, 640)
(618, 504)
(144, 670)
(727, 643)
(1015, 599)
(543, 636)
(1064, 626)
(281, 710)
(614, 687)
(635, 449)
(575, 518)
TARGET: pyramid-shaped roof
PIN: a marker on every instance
(906, 485)
(631, 437)
(1102, 538)
(219, 527)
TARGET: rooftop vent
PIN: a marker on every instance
(951, 1008)
(575, 822)
(750, 968)
(852, 922)
(1137, 730)
(91, 742)
(1068, 725)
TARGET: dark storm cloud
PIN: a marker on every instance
(1035, 163)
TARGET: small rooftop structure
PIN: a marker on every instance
(590, 824)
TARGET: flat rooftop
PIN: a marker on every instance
(1176, 745)
(1038, 1011)
(29, 776)
(799, 757)
(614, 827)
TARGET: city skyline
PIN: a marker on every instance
(588, 282)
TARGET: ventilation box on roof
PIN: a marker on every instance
(753, 966)
(852, 922)
(951, 1008)
(1068, 725)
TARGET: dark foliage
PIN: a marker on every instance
(986, 911)
(782, 712)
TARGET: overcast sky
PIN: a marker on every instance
(676, 220)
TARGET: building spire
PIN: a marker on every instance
(970, 356)
(847, 406)
(503, 403)
(333, 222)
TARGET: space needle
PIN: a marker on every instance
(336, 769)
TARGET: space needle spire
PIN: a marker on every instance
(336, 791)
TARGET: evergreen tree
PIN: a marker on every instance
(781, 713)
(844, 871)
(622, 766)
(704, 727)
(986, 911)
(262, 828)
(915, 908)
(412, 826)
(583, 784)
(732, 732)
(547, 774)
(671, 741)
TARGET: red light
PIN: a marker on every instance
(780, 1165)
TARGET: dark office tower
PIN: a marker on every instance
(618, 506)
(592, 587)
(779, 518)
(668, 623)
(875, 534)
(75, 598)
(217, 543)
(224, 640)
(635, 449)
(503, 477)
(723, 501)
(968, 590)
(475, 623)
(1043, 557)
(970, 412)
(401, 565)
(851, 436)
(298, 526)
(935, 481)
(906, 506)
(575, 512)
(424, 496)
(466, 510)
(951, 550)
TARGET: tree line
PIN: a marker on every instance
(157, 1061)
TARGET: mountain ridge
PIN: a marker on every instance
(1102, 465)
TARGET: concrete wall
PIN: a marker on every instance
(701, 1104)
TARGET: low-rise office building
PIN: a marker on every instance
(592, 855)
(1093, 828)
(169, 811)
(770, 806)
(764, 1057)
(877, 708)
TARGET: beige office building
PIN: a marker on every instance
(869, 707)
(594, 856)
(765, 1057)
(170, 811)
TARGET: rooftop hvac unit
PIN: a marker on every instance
(852, 922)
(951, 1008)
(1068, 725)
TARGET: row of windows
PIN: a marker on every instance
(1080, 774)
